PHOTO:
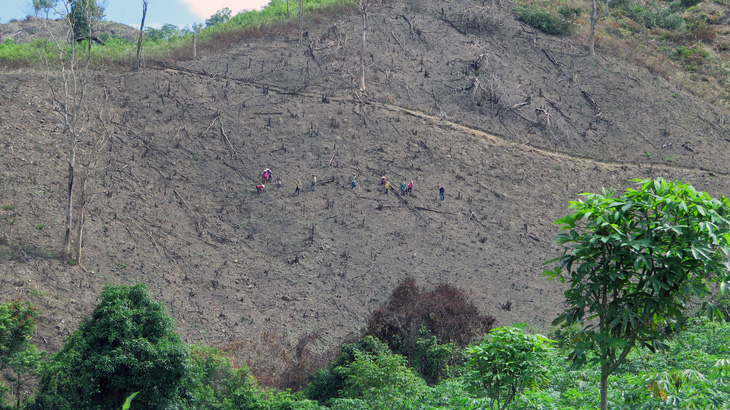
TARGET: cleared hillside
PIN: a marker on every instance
(514, 124)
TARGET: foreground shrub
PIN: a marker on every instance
(19, 359)
(127, 345)
(506, 363)
(327, 383)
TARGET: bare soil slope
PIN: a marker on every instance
(513, 123)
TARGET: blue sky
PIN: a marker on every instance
(178, 12)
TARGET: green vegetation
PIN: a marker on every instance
(126, 352)
(539, 18)
(169, 41)
(685, 41)
(83, 17)
(127, 345)
(19, 359)
(634, 263)
(507, 363)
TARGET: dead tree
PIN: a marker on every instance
(595, 16)
(141, 35)
(67, 78)
(301, 25)
(363, 6)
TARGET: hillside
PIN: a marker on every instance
(513, 122)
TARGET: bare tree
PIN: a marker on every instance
(287, 10)
(595, 16)
(363, 6)
(141, 35)
(301, 14)
(67, 77)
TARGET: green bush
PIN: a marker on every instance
(382, 381)
(327, 383)
(570, 13)
(689, 3)
(653, 17)
(126, 345)
(538, 18)
(19, 359)
(506, 363)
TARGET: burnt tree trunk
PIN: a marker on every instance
(141, 35)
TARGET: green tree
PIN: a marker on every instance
(328, 383)
(221, 16)
(382, 381)
(43, 6)
(22, 359)
(83, 17)
(127, 345)
(506, 363)
(634, 263)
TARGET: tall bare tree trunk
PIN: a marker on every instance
(594, 20)
(81, 219)
(363, 13)
(301, 28)
(141, 35)
(195, 46)
(287, 10)
(69, 201)
(67, 79)
(595, 17)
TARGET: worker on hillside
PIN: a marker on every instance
(278, 183)
(410, 187)
(260, 188)
(403, 188)
(299, 187)
(387, 187)
(441, 192)
(265, 176)
(314, 181)
(353, 180)
(382, 181)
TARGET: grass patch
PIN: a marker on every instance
(176, 44)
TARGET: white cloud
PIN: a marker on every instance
(206, 8)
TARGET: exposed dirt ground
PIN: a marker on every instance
(514, 123)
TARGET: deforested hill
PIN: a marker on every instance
(512, 122)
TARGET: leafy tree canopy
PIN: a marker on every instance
(221, 16)
(83, 16)
(127, 345)
(17, 323)
(635, 262)
(508, 361)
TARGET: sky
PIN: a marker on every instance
(178, 12)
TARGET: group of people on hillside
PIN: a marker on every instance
(405, 189)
